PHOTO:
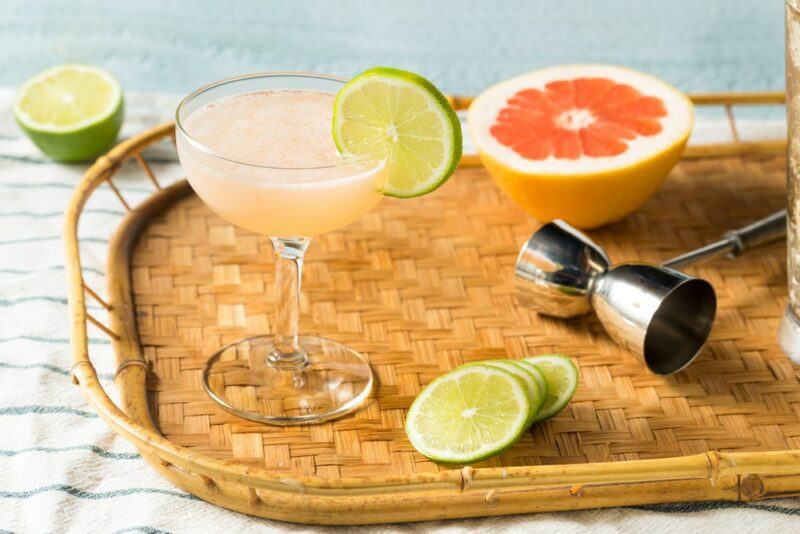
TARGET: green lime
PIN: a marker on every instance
(403, 119)
(535, 396)
(468, 414)
(542, 388)
(71, 112)
(562, 380)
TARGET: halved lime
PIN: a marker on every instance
(402, 118)
(562, 380)
(468, 414)
(71, 112)
(535, 396)
(541, 382)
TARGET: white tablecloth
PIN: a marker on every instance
(63, 470)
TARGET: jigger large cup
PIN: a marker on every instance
(658, 312)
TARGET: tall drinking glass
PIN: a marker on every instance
(789, 334)
(257, 149)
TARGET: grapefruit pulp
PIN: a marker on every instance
(585, 143)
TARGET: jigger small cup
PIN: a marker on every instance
(661, 314)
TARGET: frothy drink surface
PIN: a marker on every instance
(276, 128)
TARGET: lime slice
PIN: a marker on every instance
(468, 414)
(562, 379)
(535, 396)
(399, 117)
(72, 112)
(542, 388)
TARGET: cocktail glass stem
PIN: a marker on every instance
(289, 253)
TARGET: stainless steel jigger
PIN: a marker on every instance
(658, 312)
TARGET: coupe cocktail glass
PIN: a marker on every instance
(258, 151)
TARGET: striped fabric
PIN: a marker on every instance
(63, 470)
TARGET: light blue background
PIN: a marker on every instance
(175, 46)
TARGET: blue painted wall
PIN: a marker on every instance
(698, 45)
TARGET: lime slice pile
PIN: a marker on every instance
(401, 118)
(480, 409)
(72, 112)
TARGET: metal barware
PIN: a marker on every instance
(656, 311)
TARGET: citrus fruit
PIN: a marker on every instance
(562, 380)
(468, 414)
(71, 112)
(584, 143)
(541, 382)
(536, 396)
(402, 118)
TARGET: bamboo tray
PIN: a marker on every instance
(420, 287)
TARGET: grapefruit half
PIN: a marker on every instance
(585, 143)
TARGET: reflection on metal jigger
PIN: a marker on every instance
(657, 312)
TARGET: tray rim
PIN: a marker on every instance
(466, 492)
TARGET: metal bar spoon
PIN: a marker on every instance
(655, 311)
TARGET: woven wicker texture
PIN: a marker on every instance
(421, 286)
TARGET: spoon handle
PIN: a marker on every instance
(735, 242)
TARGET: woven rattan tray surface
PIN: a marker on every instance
(423, 286)
(420, 287)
